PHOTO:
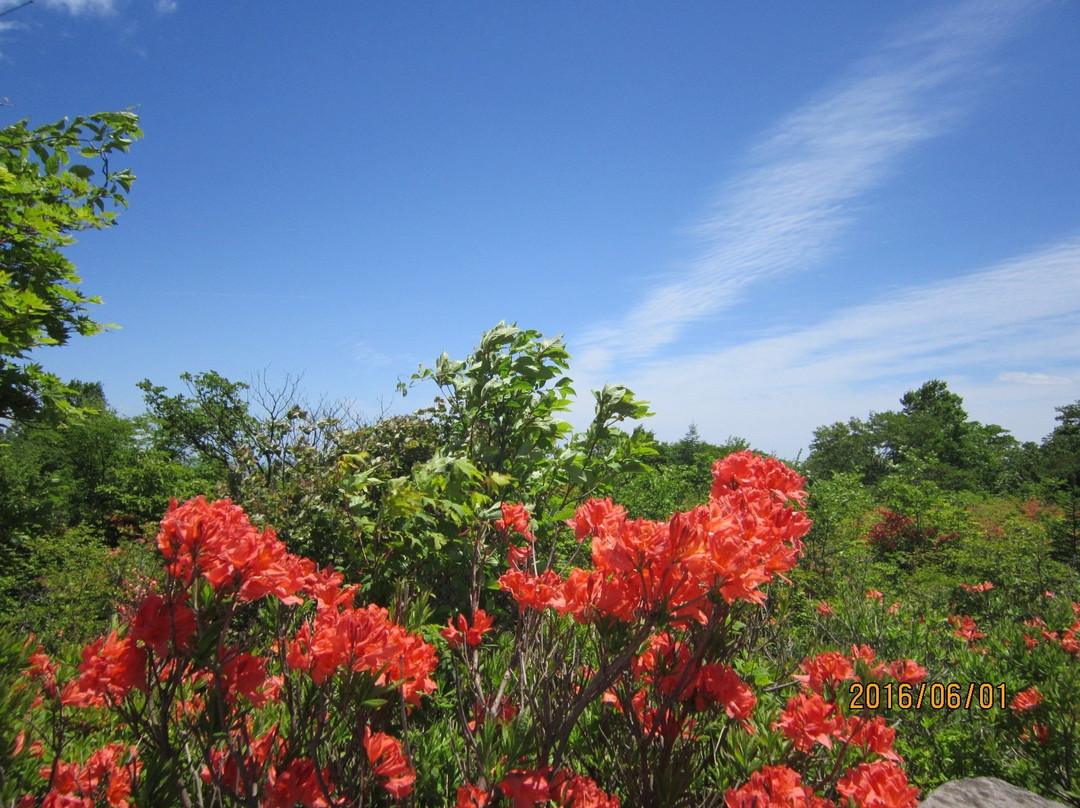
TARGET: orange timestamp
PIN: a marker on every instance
(926, 695)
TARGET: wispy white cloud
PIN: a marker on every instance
(366, 354)
(787, 208)
(90, 7)
(84, 6)
(974, 331)
(1023, 377)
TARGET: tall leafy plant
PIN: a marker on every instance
(498, 435)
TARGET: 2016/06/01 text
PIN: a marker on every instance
(927, 695)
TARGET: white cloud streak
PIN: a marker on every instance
(785, 212)
(1007, 335)
(367, 355)
(83, 6)
(98, 7)
(1020, 377)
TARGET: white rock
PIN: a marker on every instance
(985, 792)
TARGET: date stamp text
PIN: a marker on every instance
(927, 696)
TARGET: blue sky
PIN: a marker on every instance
(761, 217)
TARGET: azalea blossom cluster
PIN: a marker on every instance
(898, 532)
(813, 718)
(872, 785)
(106, 776)
(657, 598)
(668, 667)
(176, 656)
(460, 633)
(668, 577)
(674, 584)
(288, 711)
(364, 640)
(284, 784)
(1030, 702)
(743, 538)
(526, 788)
(965, 628)
(1068, 639)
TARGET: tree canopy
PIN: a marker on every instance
(931, 436)
(47, 193)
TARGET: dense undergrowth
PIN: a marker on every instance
(476, 605)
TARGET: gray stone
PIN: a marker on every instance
(985, 792)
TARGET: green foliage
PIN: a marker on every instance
(1011, 546)
(494, 435)
(677, 479)
(848, 448)
(694, 452)
(67, 586)
(501, 403)
(909, 503)
(212, 425)
(1059, 465)
(55, 476)
(840, 508)
(16, 695)
(267, 450)
(499, 408)
(1061, 449)
(46, 194)
(660, 490)
(897, 558)
(388, 501)
(74, 493)
(932, 471)
(932, 433)
(95, 471)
